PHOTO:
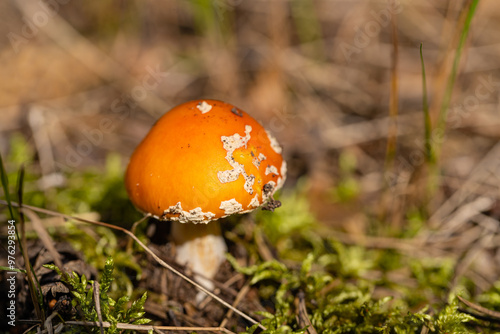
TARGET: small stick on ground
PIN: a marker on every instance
(243, 292)
(302, 316)
(479, 308)
(97, 302)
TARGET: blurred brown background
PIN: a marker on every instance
(82, 79)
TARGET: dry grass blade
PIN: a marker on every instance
(463, 214)
(243, 292)
(469, 257)
(393, 103)
(44, 236)
(479, 308)
(139, 328)
(150, 252)
(262, 247)
(302, 316)
(97, 301)
(429, 150)
(41, 139)
(424, 330)
(49, 328)
(410, 245)
(487, 165)
(132, 229)
(408, 124)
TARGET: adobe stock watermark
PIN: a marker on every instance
(11, 275)
(370, 29)
(120, 108)
(32, 24)
(483, 90)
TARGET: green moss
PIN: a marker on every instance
(347, 187)
(113, 311)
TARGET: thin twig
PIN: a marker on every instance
(477, 175)
(44, 236)
(142, 328)
(243, 292)
(97, 301)
(303, 317)
(393, 100)
(479, 308)
(132, 229)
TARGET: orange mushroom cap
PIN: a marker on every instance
(204, 160)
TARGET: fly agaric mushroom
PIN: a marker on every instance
(204, 160)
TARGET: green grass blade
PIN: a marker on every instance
(5, 186)
(33, 283)
(429, 150)
(443, 113)
(20, 186)
(34, 286)
(13, 269)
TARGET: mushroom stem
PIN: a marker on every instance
(201, 248)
